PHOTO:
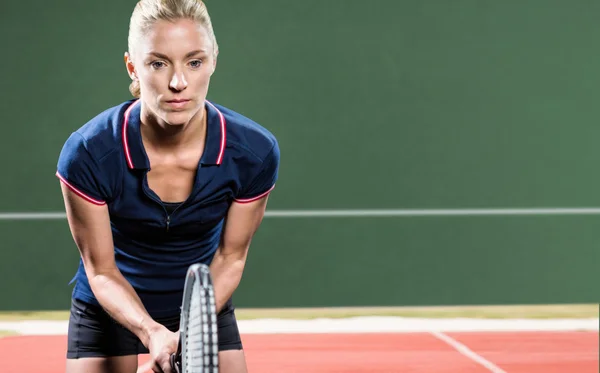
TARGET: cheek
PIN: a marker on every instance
(149, 79)
(151, 82)
(202, 80)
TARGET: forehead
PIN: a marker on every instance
(175, 37)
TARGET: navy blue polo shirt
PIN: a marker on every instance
(104, 162)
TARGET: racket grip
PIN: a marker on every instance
(175, 363)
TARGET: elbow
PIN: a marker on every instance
(100, 276)
(99, 280)
(237, 267)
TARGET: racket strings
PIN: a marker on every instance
(200, 349)
(194, 340)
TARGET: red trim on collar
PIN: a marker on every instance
(223, 134)
(125, 144)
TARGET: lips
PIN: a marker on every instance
(177, 103)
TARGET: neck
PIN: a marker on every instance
(157, 133)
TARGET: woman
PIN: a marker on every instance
(154, 185)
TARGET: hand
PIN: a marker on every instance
(161, 345)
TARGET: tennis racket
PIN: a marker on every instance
(198, 349)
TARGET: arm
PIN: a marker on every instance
(90, 227)
(243, 219)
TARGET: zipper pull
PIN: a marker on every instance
(168, 222)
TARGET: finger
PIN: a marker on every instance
(156, 368)
(166, 367)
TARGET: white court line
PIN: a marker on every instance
(465, 351)
(371, 213)
(32, 215)
(430, 212)
(358, 324)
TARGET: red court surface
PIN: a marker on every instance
(522, 352)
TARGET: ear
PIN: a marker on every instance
(130, 67)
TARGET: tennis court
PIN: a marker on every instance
(485, 339)
(457, 339)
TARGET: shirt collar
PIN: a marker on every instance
(133, 147)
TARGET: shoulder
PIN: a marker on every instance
(254, 154)
(86, 156)
(101, 135)
(246, 135)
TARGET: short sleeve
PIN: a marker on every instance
(264, 181)
(79, 171)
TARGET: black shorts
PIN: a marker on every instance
(93, 333)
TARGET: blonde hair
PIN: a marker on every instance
(147, 12)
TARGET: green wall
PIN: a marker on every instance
(381, 104)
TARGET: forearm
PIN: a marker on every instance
(226, 272)
(121, 302)
(229, 261)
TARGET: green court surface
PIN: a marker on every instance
(571, 311)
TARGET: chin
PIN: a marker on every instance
(177, 118)
(180, 116)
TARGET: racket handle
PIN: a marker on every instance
(175, 363)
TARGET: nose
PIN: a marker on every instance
(178, 81)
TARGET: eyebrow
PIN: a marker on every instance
(190, 54)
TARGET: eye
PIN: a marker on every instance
(157, 64)
(196, 63)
